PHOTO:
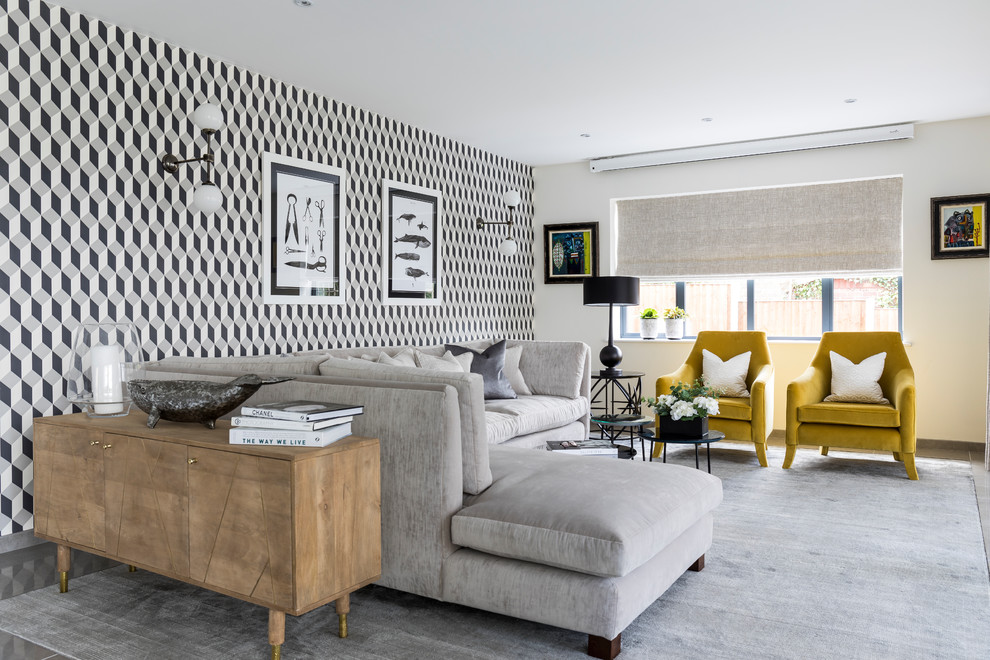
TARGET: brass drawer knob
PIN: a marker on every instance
(105, 447)
(94, 442)
(193, 460)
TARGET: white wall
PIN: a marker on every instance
(946, 302)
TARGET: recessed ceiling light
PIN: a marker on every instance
(850, 100)
(707, 119)
(303, 3)
(585, 135)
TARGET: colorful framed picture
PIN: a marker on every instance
(411, 250)
(570, 252)
(959, 226)
(302, 231)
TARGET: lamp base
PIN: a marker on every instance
(611, 372)
(610, 357)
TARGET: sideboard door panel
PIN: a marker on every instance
(240, 520)
(147, 508)
(68, 485)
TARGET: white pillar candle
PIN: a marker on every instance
(105, 366)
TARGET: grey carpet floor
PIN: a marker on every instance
(839, 557)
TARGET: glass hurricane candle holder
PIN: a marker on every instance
(103, 357)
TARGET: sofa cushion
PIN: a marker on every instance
(509, 418)
(268, 364)
(853, 414)
(490, 364)
(445, 363)
(558, 510)
(735, 408)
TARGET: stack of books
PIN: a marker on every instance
(293, 423)
(591, 447)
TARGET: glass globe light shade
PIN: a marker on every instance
(208, 117)
(508, 247)
(207, 198)
(511, 198)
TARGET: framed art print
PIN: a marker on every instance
(411, 254)
(303, 206)
(570, 252)
(959, 226)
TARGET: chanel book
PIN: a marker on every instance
(301, 411)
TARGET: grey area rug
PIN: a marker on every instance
(839, 557)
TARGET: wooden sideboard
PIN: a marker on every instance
(290, 529)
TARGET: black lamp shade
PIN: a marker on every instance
(616, 290)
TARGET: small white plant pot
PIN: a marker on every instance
(674, 328)
(649, 328)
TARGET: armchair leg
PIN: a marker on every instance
(824, 451)
(909, 466)
(789, 455)
(897, 456)
(761, 453)
(605, 649)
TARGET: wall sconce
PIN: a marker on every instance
(207, 198)
(508, 246)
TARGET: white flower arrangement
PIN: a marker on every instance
(686, 402)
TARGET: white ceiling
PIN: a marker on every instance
(525, 78)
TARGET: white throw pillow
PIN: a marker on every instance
(445, 363)
(857, 383)
(511, 370)
(404, 358)
(729, 377)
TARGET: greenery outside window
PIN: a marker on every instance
(800, 307)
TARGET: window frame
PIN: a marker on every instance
(828, 309)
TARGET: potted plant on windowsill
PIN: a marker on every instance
(673, 318)
(649, 323)
(684, 412)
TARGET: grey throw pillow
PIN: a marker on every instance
(490, 363)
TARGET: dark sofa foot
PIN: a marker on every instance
(606, 649)
(698, 564)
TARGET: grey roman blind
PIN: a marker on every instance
(834, 228)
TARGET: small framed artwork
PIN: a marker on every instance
(303, 206)
(959, 226)
(570, 252)
(411, 250)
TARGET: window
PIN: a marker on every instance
(784, 307)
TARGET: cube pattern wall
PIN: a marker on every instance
(92, 229)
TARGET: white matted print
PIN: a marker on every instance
(411, 254)
(303, 208)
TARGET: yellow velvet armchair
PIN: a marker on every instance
(738, 418)
(813, 421)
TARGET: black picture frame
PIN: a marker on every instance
(570, 252)
(303, 218)
(959, 227)
(412, 256)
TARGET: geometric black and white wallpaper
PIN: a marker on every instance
(93, 230)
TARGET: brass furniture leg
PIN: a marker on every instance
(343, 607)
(276, 632)
(64, 561)
(131, 568)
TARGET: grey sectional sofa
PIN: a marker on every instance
(473, 513)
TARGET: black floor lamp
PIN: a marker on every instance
(601, 291)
